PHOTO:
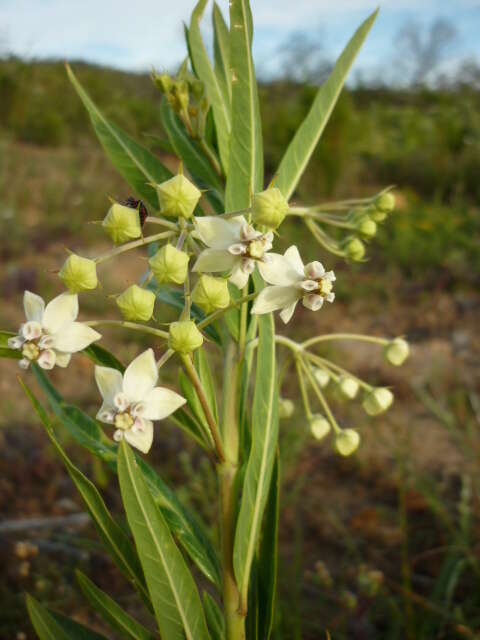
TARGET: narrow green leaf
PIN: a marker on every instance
(189, 424)
(215, 619)
(73, 629)
(110, 611)
(43, 622)
(203, 68)
(300, 149)
(136, 163)
(245, 175)
(174, 595)
(205, 374)
(262, 454)
(100, 355)
(5, 352)
(221, 52)
(4, 336)
(193, 402)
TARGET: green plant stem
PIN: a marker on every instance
(162, 222)
(344, 336)
(133, 245)
(243, 323)
(129, 325)
(211, 157)
(217, 314)
(323, 362)
(321, 397)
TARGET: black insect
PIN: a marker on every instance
(133, 203)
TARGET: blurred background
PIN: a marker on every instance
(381, 545)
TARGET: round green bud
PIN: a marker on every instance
(322, 377)
(269, 208)
(178, 197)
(163, 82)
(136, 303)
(354, 249)
(211, 293)
(397, 351)
(319, 427)
(285, 408)
(346, 442)
(184, 337)
(169, 264)
(348, 386)
(79, 274)
(122, 223)
(180, 90)
(385, 202)
(367, 227)
(378, 401)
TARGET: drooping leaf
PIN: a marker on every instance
(245, 175)
(221, 51)
(100, 355)
(43, 622)
(136, 163)
(300, 149)
(215, 620)
(173, 592)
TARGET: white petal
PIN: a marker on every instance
(239, 276)
(330, 297)
(160, 403)
(60, 311)
(63, 359)
(287, 313)
(74, 337)
(278, 270)
(219, 233)
(274, 298)
(330, 275)
(47, 359)
(141, 439)
(34, 306)
(140, 376)
(312, 302)
(293, 256)
(211, 260)
(109, 382)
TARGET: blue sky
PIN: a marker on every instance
(143, 34)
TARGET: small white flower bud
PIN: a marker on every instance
(285, 408)
(122, 223)
(169, 264)
(348, 386)
(378, 401)
(79, 274)
(397, 351)
(354, 249)
(136, 303)
(211, 293)
(319, 427)
(184, 336)
(322, 377)
(346, 442)
(269, 208)
(178, 197)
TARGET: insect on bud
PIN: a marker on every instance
(269, 208)
(122, 223)
(211, 293)
(346, 442)
(397, 351)
(178, 197)
(378, 401)
(319, 427)
(355, 249)
(184, 337)
(285, 408)
(322, 377)
(169, 264)
(136, 303)
(79, 274)
(348, 386)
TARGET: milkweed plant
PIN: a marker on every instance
(211, 232)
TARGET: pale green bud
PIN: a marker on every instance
(319, 427)
(169, 264)
(180, 90)
(348, 386)
(385, 202)
(79, 274)
(163, 82)
(346, 441)
(122, 223)
(322, 377)
(367, 227)
(397, 351)
(184, 336)
(285, 408)
(211, 293)
(269, 208)
(355, 249)
(378, 401)
(136, 303)
(178, 197)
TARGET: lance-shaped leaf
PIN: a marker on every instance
(111, 612)
(100, 355)
(300, 149)
(5, 351)
(73, 629)
(215, 619)
(221, 51)
(203, 68)
(262, 455)
(136, 164)
(245, 175)
(52, 626)
(173, 591)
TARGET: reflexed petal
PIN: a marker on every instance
(140, 376)
(211, 260)
(239, 276)
(293, 256)
(60, 311)
(274, 298)
(34, 306)
(142, 438)
(287, 313)
(109, 382)
(63, 359)
(74, 337)
(219, 233)
(278, 270)
(160, 403)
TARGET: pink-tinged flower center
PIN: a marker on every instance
(124, 416)
(35, 344)
(253, 244)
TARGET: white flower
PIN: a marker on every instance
(292, 281)
(233, 246)
(132, 401)
(50, 335)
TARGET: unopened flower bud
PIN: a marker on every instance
(163, 82)
(211, 293)
(385, 202)
(285, 408)
(378, 401)
(269, 208)
(169, 264)
(184, 336)
(322, 377)
(396, 351)
(346, 441)
(79, 274)
(122, 223)
(178, 197)
(348, 386)
(367, 227)
(319, 427)
(136, 303)
(355, 249)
